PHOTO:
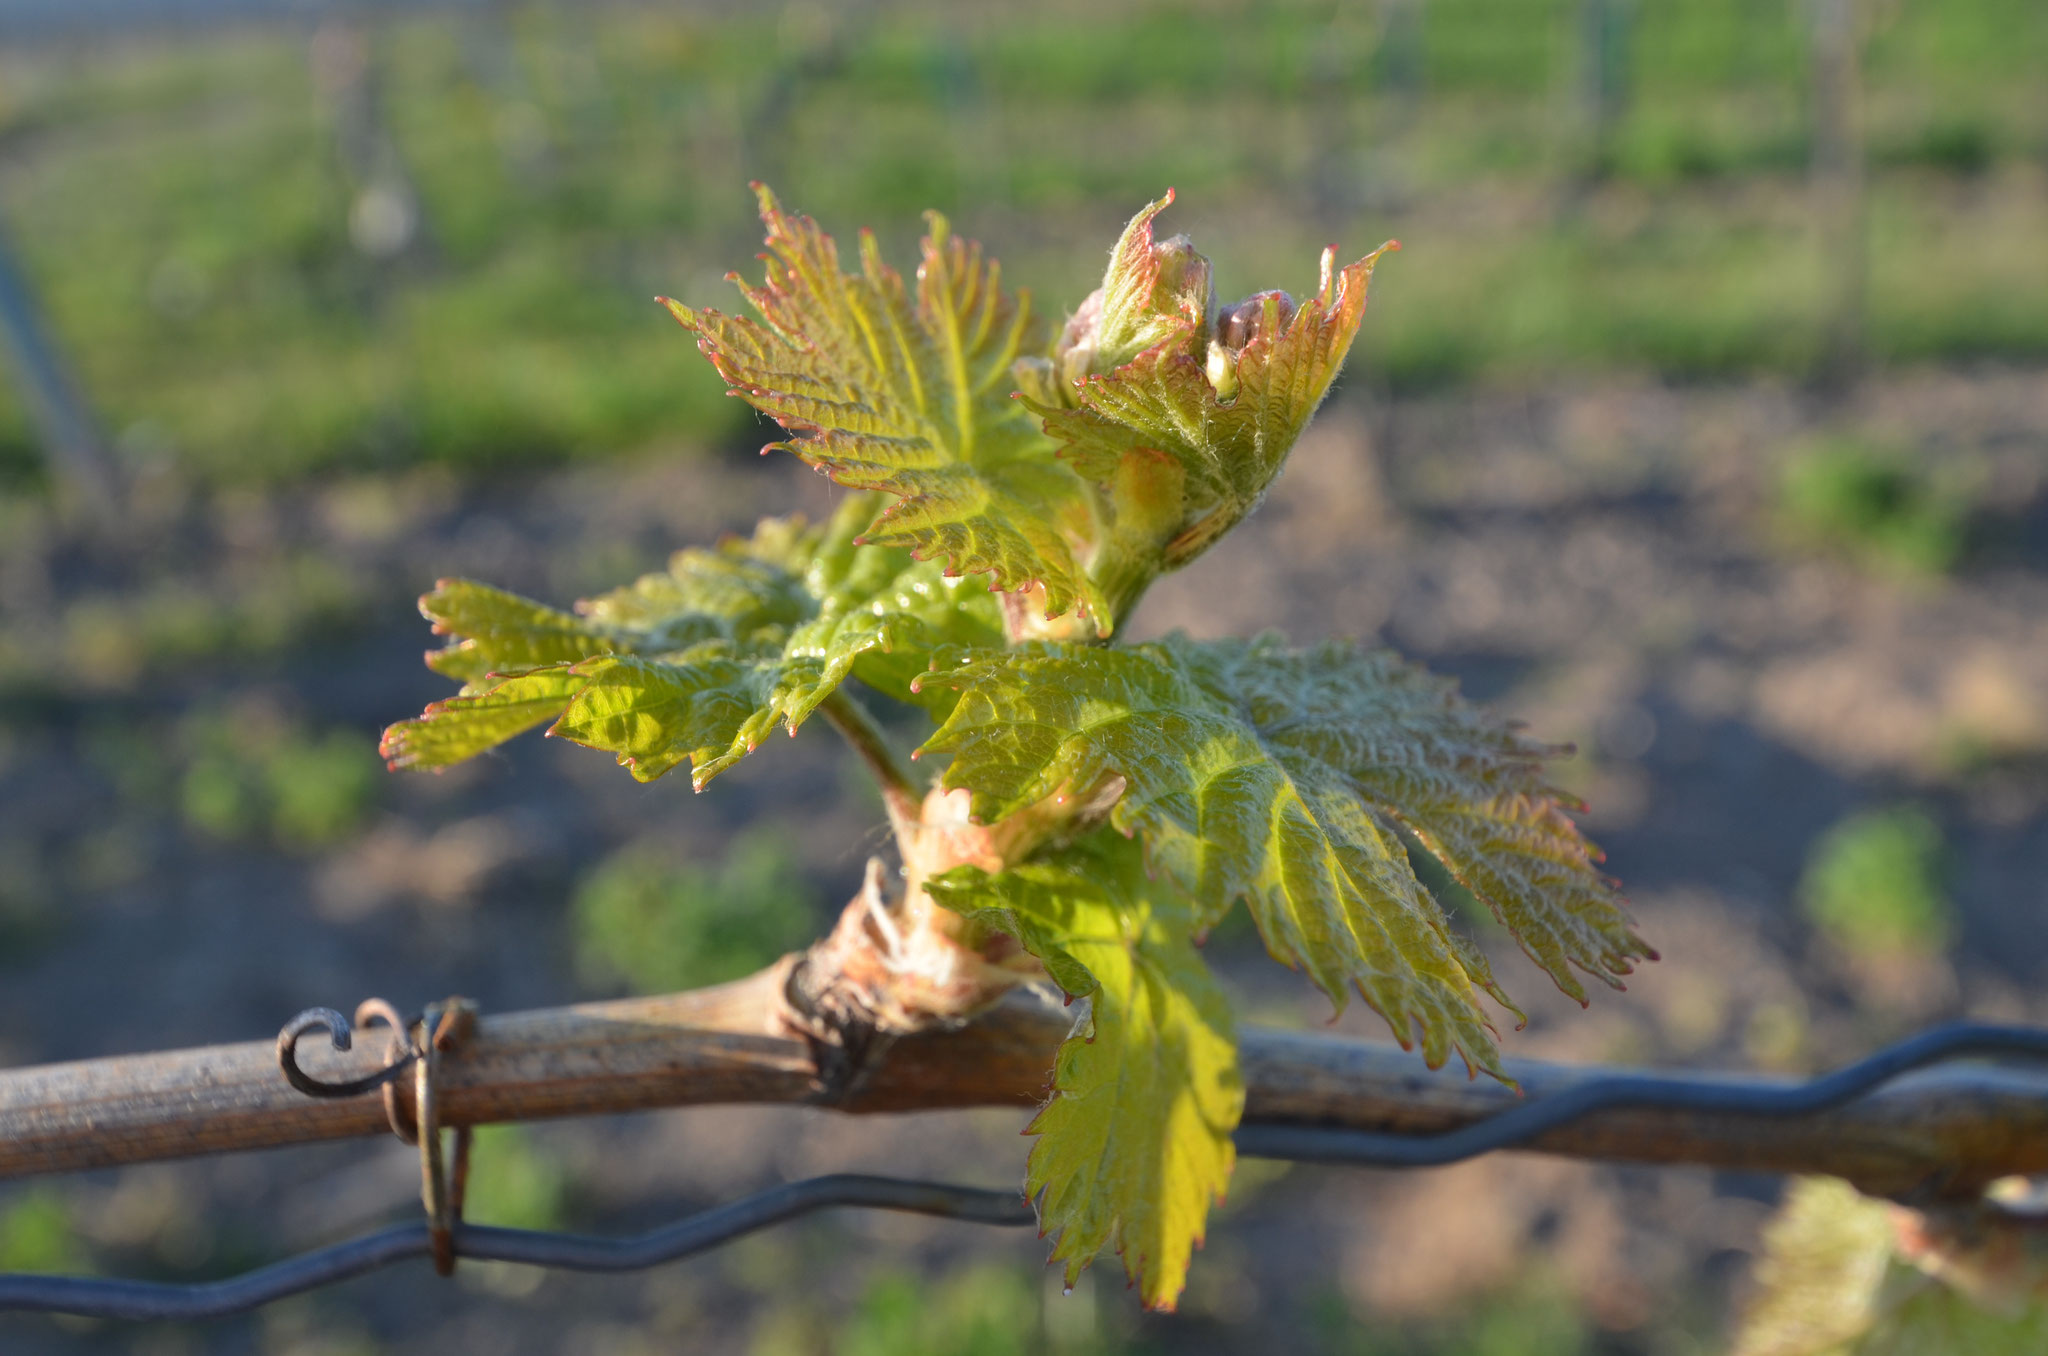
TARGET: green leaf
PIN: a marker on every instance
(699, 662)
(502, 632)
(908, 392)
(1226, 417)
(1286, 779)
(448, 732)
(1135, 1144)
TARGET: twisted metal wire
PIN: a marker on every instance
(97, 1298)
(1723, 1095)
(106, 1298)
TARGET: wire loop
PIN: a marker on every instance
(342, 1037)
(418, 1046)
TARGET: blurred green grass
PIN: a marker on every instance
(185, 211)
(1874, 884)
(659, 924)
(1874, 504)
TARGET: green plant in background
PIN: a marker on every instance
(983, 1311)
(252, 773)
(553, 175)
(1875, 505)
(513, 1184)
(659, 925)
(1874, 884)
(1843, 1275)
(36, 1234)
(1102, 805)
(1534, 1316)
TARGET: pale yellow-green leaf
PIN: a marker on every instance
(462, 727)
(503, 633)
(1824, 1262)
(697, 663)
(1154, 292)
(907, 391)
(1135, 1144)
(1836, 1278)
(1286, 779)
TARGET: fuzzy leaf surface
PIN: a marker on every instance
(1287, 779)
(1135, 1144)
(696, 663)
(906, 390)
(1154, 293)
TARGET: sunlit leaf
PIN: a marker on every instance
(502, 632)
(1155, 292)
(450, 731)
(1222, 405)
(699, 662)
(1134, 1146)
(1287, 779)
(907, 391)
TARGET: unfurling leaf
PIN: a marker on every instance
(698, 662)
(908, 392)
(1135, 1144)
(1156, 292)
(1220, 398)
(1288, 779)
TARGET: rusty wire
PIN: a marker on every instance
(445, 1237)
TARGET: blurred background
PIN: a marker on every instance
(1702, 420)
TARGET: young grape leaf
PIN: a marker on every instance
(698, 662)
(908, 393)
(1135, 1144)
(461, 727)
(1287, 779)
(502, 632)
(1226, 420)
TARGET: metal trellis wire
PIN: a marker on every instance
(444, 1237)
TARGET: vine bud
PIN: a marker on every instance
(1237, 326)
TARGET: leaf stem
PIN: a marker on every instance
(860, 729)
